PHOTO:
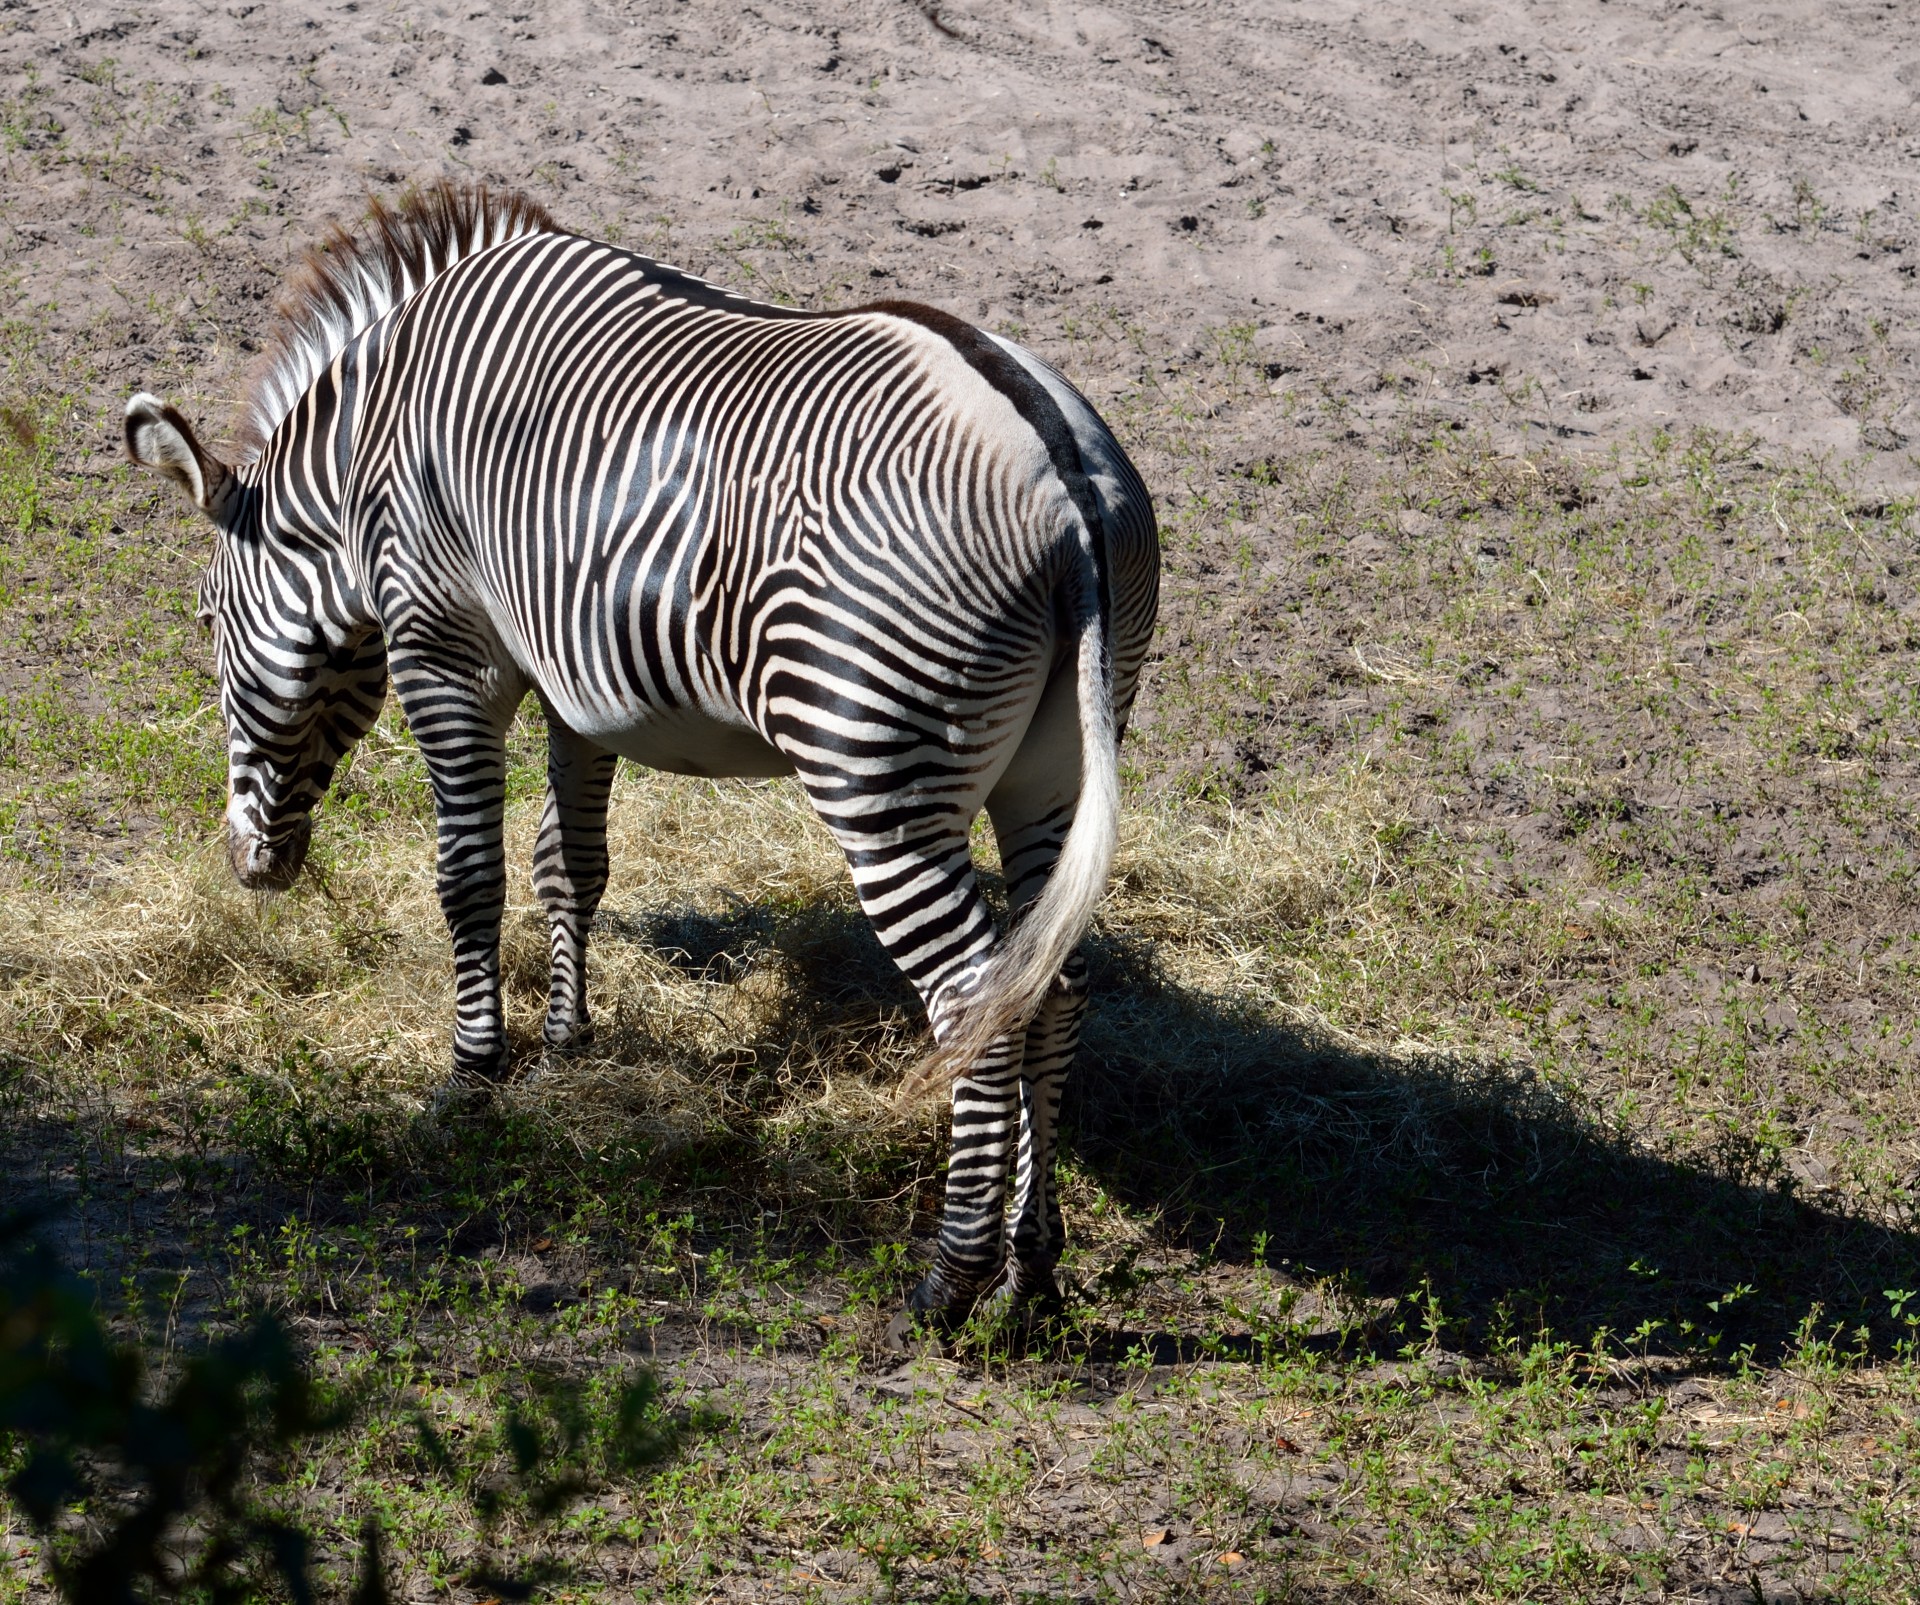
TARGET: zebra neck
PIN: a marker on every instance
(290, 536)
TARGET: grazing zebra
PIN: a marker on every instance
(882, 549)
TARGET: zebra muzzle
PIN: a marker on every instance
(262, 864)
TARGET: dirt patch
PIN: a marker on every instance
(1573, 222)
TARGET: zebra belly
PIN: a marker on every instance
(683, 741)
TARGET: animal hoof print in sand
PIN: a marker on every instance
(909, 1333)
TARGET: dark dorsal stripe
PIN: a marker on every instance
(1033, 402)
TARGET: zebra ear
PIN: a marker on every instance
(160, 439)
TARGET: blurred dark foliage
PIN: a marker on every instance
(149, 1489)
(144, 1492)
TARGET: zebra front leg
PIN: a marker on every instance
(570, 873)
(462, 737)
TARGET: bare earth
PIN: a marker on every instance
(1311, 169)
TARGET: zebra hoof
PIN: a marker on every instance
(936, 1309)
(563, 1034)
(459, 1097)
(1025, 1287)
(926, 1331)
(468, 1090)
(1027, 1301)
(456, 1101)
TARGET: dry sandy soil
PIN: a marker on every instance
(1315, 170)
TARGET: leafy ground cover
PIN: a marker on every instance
(1493, 1175)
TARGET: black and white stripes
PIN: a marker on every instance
(880, 549)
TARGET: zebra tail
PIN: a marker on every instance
(1024, 965)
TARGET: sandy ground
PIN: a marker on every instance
(1576, 219)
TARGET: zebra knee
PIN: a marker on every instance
(948, 1003)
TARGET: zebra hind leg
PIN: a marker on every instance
(1037, 1236)
(926, 908)
(1029, 840)
(970, 1256)
(570, 873)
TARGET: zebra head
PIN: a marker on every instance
(303, 673)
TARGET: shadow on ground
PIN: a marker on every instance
(1518, 1209)
(1397, 1177)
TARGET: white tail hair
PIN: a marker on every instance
(1023, 966)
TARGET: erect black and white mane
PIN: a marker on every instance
(352, 277)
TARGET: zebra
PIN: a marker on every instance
(878, 548)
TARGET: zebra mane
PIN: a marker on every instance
(352, 277)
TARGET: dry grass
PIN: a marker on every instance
(736, 986)
(753, 1038)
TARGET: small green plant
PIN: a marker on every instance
(1461, 204)
(1905, 1320)
(1809, 211)
(880, 1278)
(1233, 347)
(1700, 237)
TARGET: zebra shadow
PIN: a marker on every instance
(1469, 1187)
(1466, 1188)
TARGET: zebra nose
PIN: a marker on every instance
(263, 865)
